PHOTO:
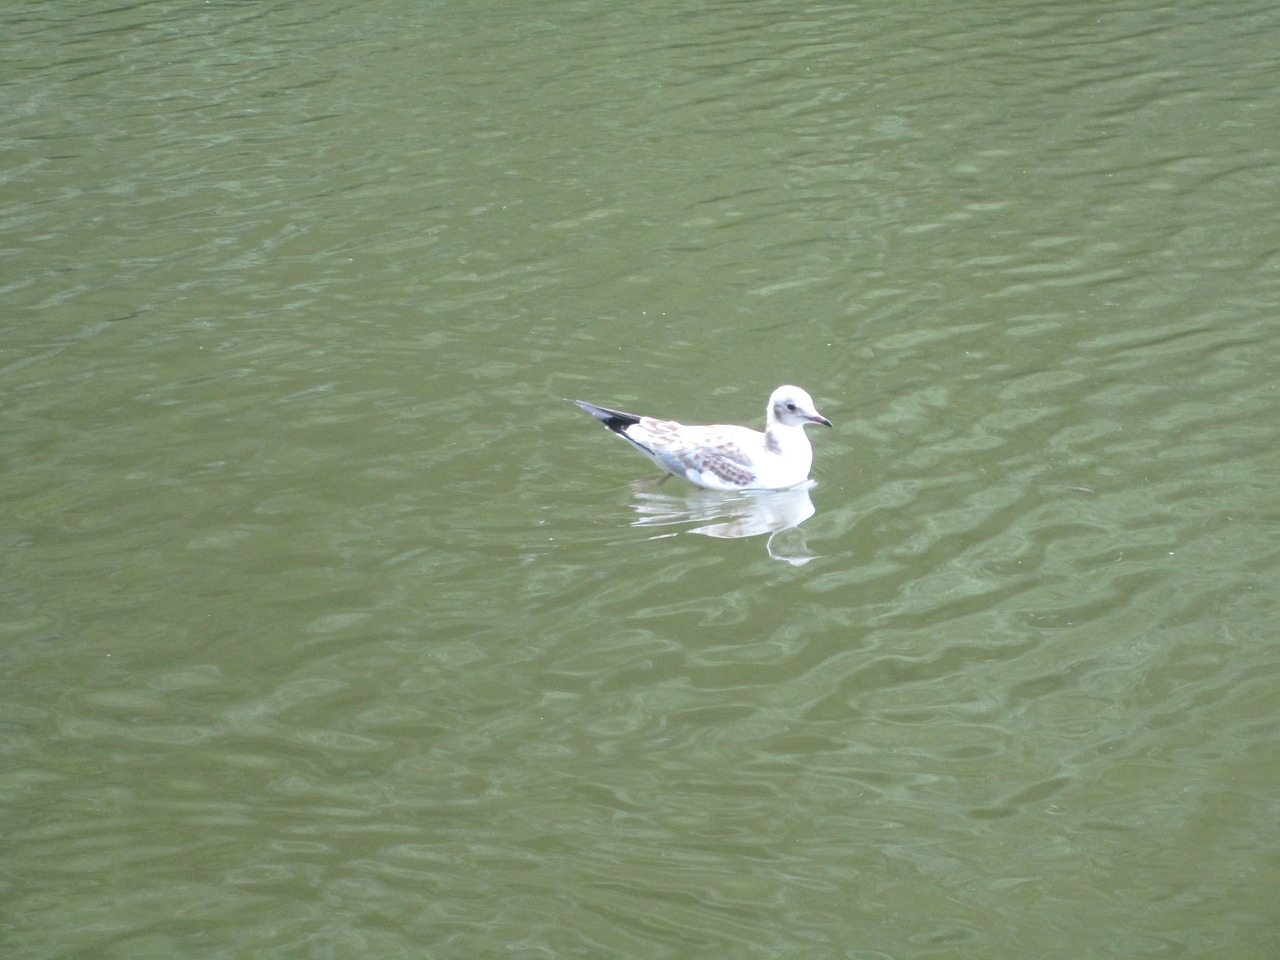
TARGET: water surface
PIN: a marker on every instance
(331, 630)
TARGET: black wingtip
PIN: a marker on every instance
(615, 420)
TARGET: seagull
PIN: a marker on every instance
(724, 457)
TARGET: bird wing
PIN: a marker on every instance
(718, 457)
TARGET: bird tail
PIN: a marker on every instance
(615, 420)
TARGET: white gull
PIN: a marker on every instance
(721, 457)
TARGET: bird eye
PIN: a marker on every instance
(791, 407)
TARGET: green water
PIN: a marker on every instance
(330, 630)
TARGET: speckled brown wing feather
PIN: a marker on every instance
(713, 453)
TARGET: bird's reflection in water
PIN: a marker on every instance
(747, 514)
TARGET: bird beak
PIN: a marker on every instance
(818, 418)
